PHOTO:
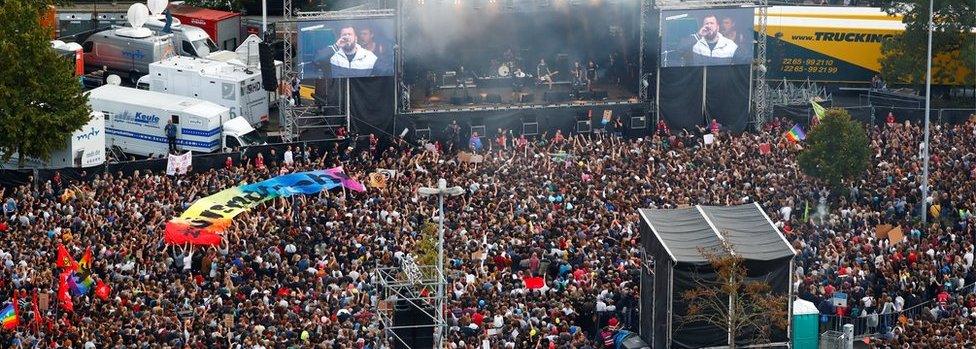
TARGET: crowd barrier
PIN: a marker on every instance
(10, 178)
(869, 325)
(876, 115)
(204, 162)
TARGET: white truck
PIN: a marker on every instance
(135, 121)
(235, 87)
(84, 148)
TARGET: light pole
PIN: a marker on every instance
(928, 102)
(441, 190)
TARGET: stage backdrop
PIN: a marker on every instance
(706, 37)
(346, 48)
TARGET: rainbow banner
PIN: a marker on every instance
(202, 221)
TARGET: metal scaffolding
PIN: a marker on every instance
(411, 286)
(294, 119)
(760, 90)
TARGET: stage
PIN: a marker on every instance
(496, 95)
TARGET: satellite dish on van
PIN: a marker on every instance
(113, 80)
(137, 15)
(157, 7)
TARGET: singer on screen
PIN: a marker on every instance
(350, 59)
(711, 45)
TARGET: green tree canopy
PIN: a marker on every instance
(41, 102)
(953, 43)
(837, 149)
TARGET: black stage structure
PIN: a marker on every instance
(670, 240)
(480, 63)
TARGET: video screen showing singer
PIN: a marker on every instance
(711, 47)
(350, 59)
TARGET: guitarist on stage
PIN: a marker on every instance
(543, 73)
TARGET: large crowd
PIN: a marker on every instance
(301, 271)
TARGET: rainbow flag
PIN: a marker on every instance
(84, 265)
(796, 134)
(80, 286)
(8, 317)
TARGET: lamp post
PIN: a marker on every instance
(441, 190)
(928, 102)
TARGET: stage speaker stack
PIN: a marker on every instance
(530, 125)
(269, 81)
(407, 314)
(422, 132)
(478, 125)
(584, 124)
(638, 122)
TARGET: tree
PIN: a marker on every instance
(837, 149)
(734, 302)
(41, 102)
(427, 246)
(953, 44)
(226, 5)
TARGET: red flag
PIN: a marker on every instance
(38, 320)
(102, 290)
(179, 234)
(534, 282)
(63, 296)
(64, 259)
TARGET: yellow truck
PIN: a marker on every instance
(835, 44)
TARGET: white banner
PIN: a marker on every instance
(178, 164)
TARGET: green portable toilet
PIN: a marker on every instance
(805, 327)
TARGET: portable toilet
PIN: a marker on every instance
(805, 327)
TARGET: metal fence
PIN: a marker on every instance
(874, 324)
(872, 114)
(832, 340)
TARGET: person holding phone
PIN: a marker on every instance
(711, 44)
(350, 60)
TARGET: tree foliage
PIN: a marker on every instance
(41, 102)
(427, 246)
(226, 5)
(837, 149)
(743, 306)
(953, 44)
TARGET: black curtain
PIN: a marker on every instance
(371, 105)
(681, 97)
(692, 334)
(727, 96)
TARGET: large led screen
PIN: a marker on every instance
(346, 48)
(703, 37)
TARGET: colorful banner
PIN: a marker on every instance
(201, 222)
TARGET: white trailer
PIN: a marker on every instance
(136, 122)
(235, 87)
(84, 148)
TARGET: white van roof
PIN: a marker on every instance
(156, 100)
(207, 68)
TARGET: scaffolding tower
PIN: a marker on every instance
(411, 286)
